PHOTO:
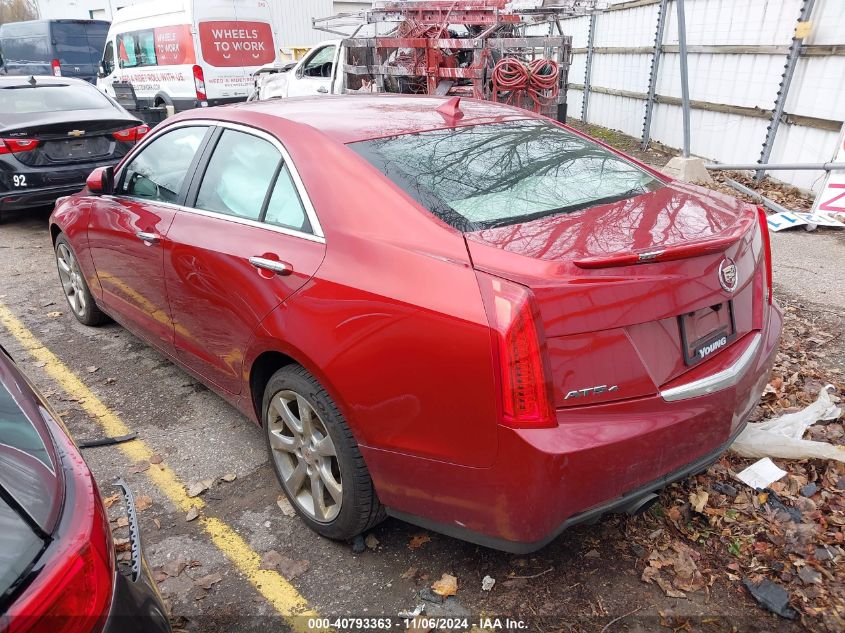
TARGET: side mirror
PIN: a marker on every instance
(101, 70)
(101, 181)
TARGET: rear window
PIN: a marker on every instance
(51, 98)
(79, 42)
(496, 174)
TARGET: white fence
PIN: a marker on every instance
(737, 53)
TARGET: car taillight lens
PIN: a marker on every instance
(132, 134)
(767, 250)
(17, 145)
(57, 68)
(199, 83)
(72, 592)
(526, 401)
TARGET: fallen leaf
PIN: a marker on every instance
(809, 576)
(193, 513)
(110, 501)
(418, 540)
(159, 576)
(371, 541)
(285, 506)
(446, 586)
(287, 567)
(139, 467)
(143, 502)
(410, 573)
(207, 582)
(55, 314)
(157, 523)
(91, 369)
(270, 560)
(174, 567)
(122, 522)
(199, 487)
(698, 500)
(229, 477)
(122, 544)
(156, 459)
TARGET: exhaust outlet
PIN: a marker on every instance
(641, 504)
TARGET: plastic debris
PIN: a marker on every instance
(410, 615)
(782, 436)
(772, 596)
(487, 583)
(761, 474)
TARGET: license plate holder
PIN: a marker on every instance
(706, 331)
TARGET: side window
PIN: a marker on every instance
(159, 170)
(108, 58)
(136, 49)
(238, 175)
(285, 207)
(320, 64)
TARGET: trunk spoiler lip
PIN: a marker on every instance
(719, 242)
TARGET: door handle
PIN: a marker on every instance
(145, 236)
(322, 90)
(273, 265)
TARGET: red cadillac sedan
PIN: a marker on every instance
(464, 315)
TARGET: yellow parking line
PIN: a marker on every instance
(279, 592)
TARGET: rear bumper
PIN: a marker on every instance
(136, 604)
(598, 459)
(14, 200)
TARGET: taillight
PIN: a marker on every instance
(199, 83)
(767, 250)
(72, 592)
(526, 401)
(57, 68)
(17, 145)
(132, 134)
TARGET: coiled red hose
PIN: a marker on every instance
(535, 82)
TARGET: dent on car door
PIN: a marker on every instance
(251, 242)
(127, 232)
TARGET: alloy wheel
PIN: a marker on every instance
(71, 278)
(305, 456)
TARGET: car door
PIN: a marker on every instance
(127, 231)
(249, 240)
(314, 75)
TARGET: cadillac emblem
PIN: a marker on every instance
(728, 276)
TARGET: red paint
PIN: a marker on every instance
(236, 43)
(396, 316)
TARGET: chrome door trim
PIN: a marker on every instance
(316, 236)
(723, 379)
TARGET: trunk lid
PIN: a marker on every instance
(631, 294)
(87, 137)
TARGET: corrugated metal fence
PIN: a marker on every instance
(737, 54)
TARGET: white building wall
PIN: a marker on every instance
(748, 80)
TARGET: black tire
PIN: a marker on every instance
(360, 508)
(89, 313)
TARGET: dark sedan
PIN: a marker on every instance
(57, 563)
(53, 132)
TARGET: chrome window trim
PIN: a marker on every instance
(718, 381)
(316, 236)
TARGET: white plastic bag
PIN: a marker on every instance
(781, 436)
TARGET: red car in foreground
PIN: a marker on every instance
(464, 315)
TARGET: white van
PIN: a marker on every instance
(188, 53)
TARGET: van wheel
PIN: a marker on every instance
(316, 458)
(75, 287)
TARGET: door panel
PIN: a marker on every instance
(127, 232)
(243, 251)
(315, 74)
(218, 298)
(129, 268)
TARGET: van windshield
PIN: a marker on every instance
(481, 176)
